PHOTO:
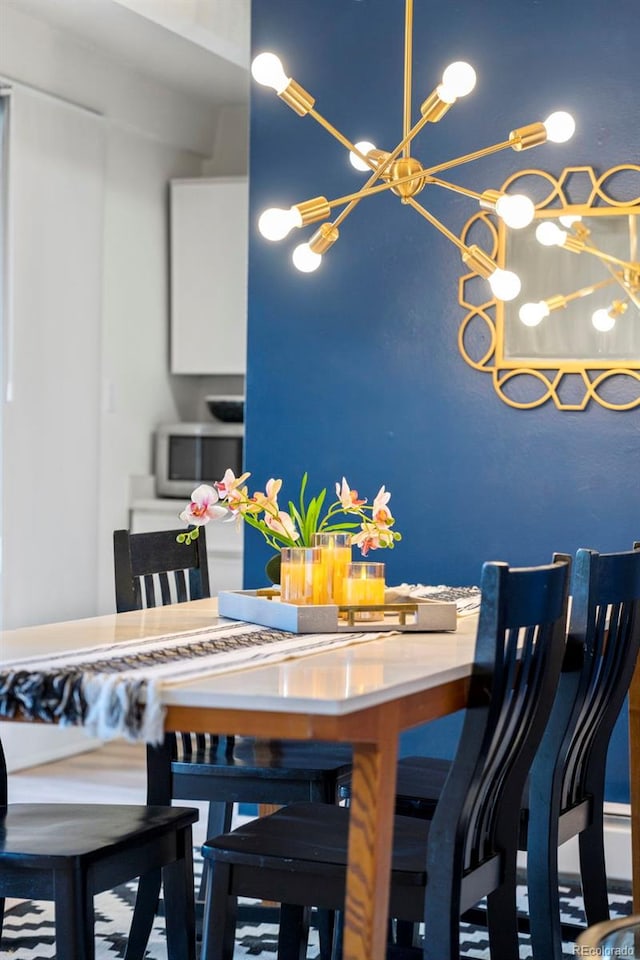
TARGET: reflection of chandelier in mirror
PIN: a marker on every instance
(576, 239)
(402, 173)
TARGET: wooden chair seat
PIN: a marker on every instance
(310, 841)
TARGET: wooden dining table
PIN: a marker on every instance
(364, 694)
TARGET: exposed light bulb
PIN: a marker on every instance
(275, 223)
(560, 126)
(569, 220)
(504, 284)
(458, 80)
(364, 146)
(516, 210)
(549, 234)
(267, 69)
(602, 320)
(531, 314)
(304, 259)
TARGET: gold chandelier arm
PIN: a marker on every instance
(607, 257)
(338, 136)
(587, 291)
(408, 64)
(633, 296)
(455, 188)
(467, 158)
(380, 170)
(437, 224)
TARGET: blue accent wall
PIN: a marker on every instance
(354, 370)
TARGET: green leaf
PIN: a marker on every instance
(181, 537)
(303, 487)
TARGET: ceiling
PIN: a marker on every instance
(200, 47)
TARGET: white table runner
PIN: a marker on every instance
(113, 690)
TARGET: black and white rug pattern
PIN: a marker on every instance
(29, 930)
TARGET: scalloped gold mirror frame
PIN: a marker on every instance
(531, 382)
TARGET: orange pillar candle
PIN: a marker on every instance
(365, 585)
(336, 555)
(301, 576)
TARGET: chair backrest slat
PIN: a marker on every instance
(3, 782)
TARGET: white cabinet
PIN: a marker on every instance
(224, 540)
(209, 236)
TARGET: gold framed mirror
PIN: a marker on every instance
(573, 333)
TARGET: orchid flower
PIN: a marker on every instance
(282, 524)
(230, 483)
(230, 497)
(348, 498)
(239, 501)
(269, 499)
(372, 537)
(380, 514)
(203, 506)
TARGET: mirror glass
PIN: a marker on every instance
(584, 283)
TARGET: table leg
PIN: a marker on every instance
(370, 840)
(634, 770)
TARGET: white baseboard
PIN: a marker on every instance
(617, 842)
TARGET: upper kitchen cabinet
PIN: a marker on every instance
(209, 239)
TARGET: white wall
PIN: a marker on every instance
(91, 318)
(137, 392)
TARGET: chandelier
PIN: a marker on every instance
(624, 274)
(401, 172)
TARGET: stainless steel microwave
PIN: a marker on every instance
(187, 454)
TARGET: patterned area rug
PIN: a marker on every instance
(29, 932)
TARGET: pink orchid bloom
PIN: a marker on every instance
(270, 497)
(372, 536)
(379, 512)
(282, 524)
(348, 498)
(239, 501)
(229, 483)
(203, 506)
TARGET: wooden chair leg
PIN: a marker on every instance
(218, 821)
(293, 934)
(502, 918)
(143, 914)
(593, 873)
(542, 884)
(325, 921)
(220, 912)
(179, 906)
(75, 939)
(442, 920)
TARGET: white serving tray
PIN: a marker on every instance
(254, 607)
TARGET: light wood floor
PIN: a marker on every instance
(115, 773)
